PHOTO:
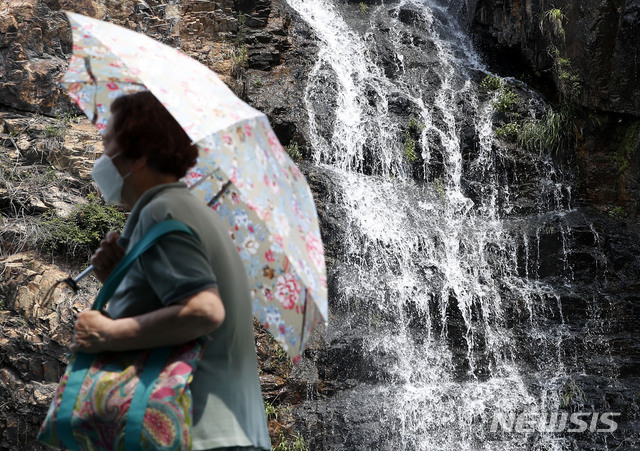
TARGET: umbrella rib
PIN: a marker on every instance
(202, 180)
(220, 193)
(87, 65)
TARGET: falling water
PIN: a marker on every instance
(433, 270)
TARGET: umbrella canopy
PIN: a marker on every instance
(243, 172)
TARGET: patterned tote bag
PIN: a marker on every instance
(137, 400)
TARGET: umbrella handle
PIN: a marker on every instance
(73, 283)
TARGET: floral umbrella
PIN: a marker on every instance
(242, 172)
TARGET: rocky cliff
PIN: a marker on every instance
(47, 151)
(584, 54)
(590, 49)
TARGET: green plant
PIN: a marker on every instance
(297, 444)
(569, 82)
(413, 124)
(410, 149)
(294, 151)
(553, 17)
(242, 26)
(239, 60)
(617, 212)
(491, 82)
(271, 411)
(50, 174)
(551, 133)
(506, 100)
(571, 394)
(258, 82)
(54, 130)
(508, 130)
(410, 144)
(82, 231)
(439, 187)
(363, 7)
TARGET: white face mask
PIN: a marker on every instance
(108, 179)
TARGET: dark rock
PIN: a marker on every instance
(597, 40)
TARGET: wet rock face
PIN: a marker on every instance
(590, 47)
(280, 51)
(584, 54)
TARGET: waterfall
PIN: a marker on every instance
(435, 269)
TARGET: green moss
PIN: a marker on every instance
(81, 232)
(617, 212)
(410, 145)
(414, 125)
(439, 187)
(410, 149)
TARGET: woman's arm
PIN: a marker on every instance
(183, 321)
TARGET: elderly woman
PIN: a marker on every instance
(183, 287)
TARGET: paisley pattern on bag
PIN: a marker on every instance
(100, 412)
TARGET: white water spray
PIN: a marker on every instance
(425, 269)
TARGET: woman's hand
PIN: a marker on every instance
(107, 256)
(92, 332)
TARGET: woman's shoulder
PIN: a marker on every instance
(175, 203)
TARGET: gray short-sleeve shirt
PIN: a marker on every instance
(228, 407)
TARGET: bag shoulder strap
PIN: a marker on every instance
(154, 233)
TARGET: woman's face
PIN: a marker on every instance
(123, 164)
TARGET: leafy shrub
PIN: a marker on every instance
(491, 82)
(509, 130)
(506, 100)
(80, 233)
(294, 151)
